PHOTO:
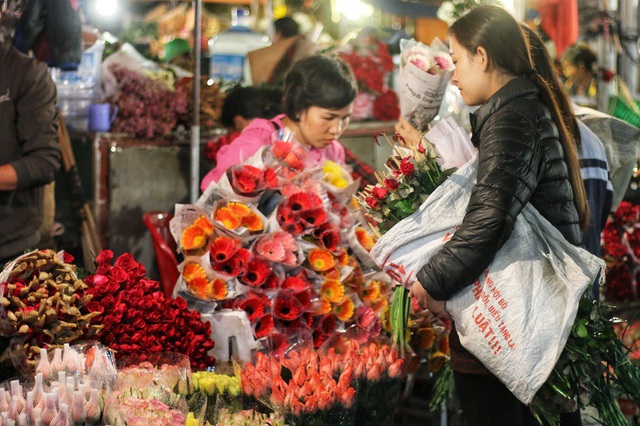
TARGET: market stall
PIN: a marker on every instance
(288, 276)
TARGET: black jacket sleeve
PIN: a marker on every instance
(509, 166)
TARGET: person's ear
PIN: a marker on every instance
(239, 122)
(483, 58)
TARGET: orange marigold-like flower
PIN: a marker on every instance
(192, 271)
(252, 222)
(239, 210)
(205, 224)
(217, 289)
(321, 306)
(344, 310)
(364, 238)
(343, 258)
(321, 260)
(333, 291)
(199, 286)
(193, 238)
(227, 218)
(370, 292)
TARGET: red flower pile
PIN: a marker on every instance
(138, 318)
(213, 146)
(372, 64)
(621, 251)
(248, 180)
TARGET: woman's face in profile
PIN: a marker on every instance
(468, 75)
(321, 126)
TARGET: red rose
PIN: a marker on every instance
(391, 184)
(154, 317)
(139, 323)
(94, 307)
(407, 166)
(380, 193)
(104, 257)
(118, 274)
(385, 107)
(373, 203)
(66, 257)
(421, 149)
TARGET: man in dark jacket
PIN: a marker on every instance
(29, 150)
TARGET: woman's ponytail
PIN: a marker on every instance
(569, 149)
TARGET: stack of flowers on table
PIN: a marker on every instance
(44, 305)
(136, 317)
(272, 239)
(150, 390)
(372, 65)
(313, 388)
(621, 251)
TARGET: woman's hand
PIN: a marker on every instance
(427, 302)
(407, 131)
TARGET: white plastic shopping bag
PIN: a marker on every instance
(517, 316)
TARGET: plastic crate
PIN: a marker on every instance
(621, 110)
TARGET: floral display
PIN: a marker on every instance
(311, 387)
(44, 304)
(285, 252)
(138, 319)
(146, 108)
(621, 251)
(372, 64)
(248, 418)
(150, 393)
(75, 402)
(411, 174)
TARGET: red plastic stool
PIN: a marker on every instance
(164, 247)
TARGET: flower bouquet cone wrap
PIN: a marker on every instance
(424, 74)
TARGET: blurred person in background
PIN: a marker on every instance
(53, 31)
(579, 66)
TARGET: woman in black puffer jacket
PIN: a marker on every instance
(525, 155)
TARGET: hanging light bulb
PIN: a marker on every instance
(107, 7)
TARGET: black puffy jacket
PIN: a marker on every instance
(520, 161)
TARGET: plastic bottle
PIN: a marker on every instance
(229, 50)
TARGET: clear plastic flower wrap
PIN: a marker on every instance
(150, 389)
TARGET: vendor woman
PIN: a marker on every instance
(318, 102)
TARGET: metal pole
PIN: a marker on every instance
(194, 187)
(629, 60)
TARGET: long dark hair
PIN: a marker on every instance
(494, 29)
(320, 81)
(543, 64)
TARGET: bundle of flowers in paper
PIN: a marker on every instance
(424, 74)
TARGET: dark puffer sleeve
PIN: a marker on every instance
(508, 171)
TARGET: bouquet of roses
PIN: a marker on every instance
(372, 64)
(138, 319)
(424, 74)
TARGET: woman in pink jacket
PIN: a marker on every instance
(318, 102)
